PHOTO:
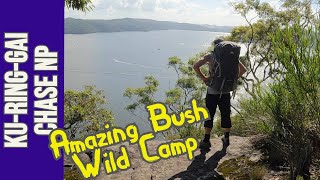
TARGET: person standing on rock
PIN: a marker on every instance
(224, 71)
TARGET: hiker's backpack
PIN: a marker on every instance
(224, 73)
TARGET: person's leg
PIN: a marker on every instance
(211, 104)
(225, 110)
(207, 132)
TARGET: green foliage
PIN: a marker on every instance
(85, 108)
(174, 61)
(195, 131)
(246, 125)
(294, 98)
(254, 113)
(143, 96)
(290, 107)
(187, 87)
(80, 5)
(173, 96)
(253, 118)
(257, 35)
(286, 44)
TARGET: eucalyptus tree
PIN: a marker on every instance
(80, 5)
(263, 20)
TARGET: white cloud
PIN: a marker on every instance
(96, 2)
(148, 5)
(111, 11)
(168, 10)
(172, 4)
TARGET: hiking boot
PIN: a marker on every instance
(225, 141)
(205, 145)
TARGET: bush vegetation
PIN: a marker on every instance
(85, 111)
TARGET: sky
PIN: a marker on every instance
(213, 12)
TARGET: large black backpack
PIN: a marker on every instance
(224, 73)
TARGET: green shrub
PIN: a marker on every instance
(195, 131)
(288, 110)
(293, 101)
(85, 112)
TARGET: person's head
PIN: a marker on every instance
(217, 41)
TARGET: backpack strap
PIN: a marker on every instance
(216, 67)
(224, 80)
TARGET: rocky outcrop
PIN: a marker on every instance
(205, 165)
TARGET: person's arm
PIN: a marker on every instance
(200, 63)
(242, 69)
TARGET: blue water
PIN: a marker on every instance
(115, 61)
